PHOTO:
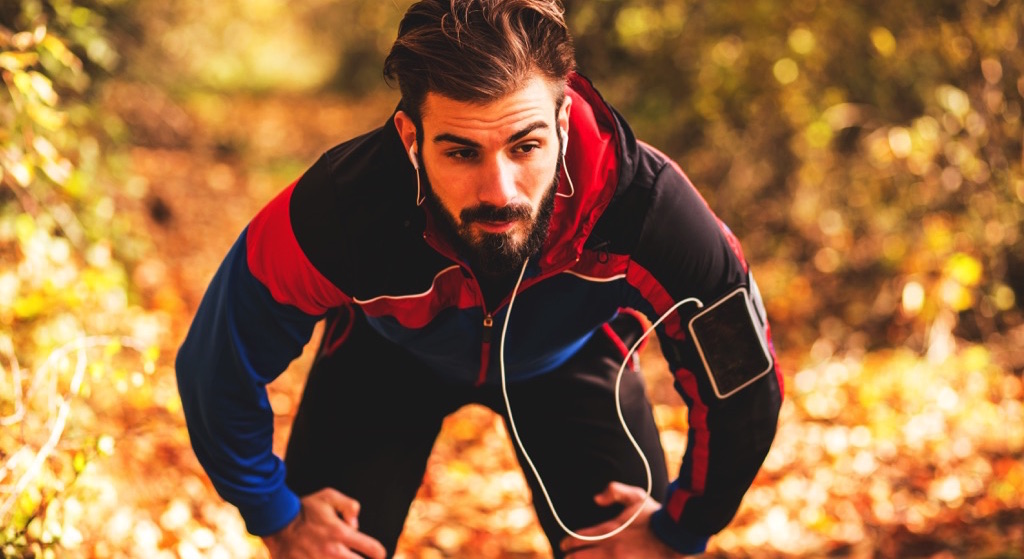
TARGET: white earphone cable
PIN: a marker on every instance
(572, 189)
(618, 408)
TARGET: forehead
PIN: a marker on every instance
(535, 101)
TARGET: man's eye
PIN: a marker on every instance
(527, 148)
(462, 154)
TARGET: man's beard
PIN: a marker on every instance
(495, 254)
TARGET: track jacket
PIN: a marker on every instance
(635, 234)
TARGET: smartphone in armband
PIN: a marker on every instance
(730, 338)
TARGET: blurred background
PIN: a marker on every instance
(868, 155)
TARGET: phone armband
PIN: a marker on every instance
(730, 339)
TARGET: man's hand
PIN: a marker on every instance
(637, 541)
(327, 526)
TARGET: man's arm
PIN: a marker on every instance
(258, 313)
(239, 341)
(685, 251)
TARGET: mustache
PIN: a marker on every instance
(488, 212)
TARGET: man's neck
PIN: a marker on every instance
(496, 287)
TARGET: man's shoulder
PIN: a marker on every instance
(375, 155)
(360, 175)
(356, 206)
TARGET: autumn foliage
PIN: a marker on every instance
(868, 154)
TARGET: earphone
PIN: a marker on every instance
(416, 165)
(565, 146)
(618, 408)
(412, 157)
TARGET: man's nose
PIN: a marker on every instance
(498, 183)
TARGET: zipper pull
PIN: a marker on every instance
(488, 324)
(485, 350)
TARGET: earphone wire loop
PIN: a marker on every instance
(572, 189)
(419, 199)
(618, 409)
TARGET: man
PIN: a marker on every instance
(478, 248)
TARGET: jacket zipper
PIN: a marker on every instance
(488, 325)
(485, 349)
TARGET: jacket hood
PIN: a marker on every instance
(601, 160)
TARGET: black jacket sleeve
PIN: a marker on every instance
(684, 251)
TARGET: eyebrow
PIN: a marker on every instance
(455, 139)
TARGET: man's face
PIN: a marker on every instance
(492, 170)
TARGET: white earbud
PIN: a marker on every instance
(565, 145)
(416, 165)
(412, 157)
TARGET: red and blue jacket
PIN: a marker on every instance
(635, 234)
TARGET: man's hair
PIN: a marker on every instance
(478, 50)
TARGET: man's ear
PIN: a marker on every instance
(406, 129)
(563, 114)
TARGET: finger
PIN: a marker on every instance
(344, 505)
(602, 528)
(621, 493)
(570, 543)
(364, 544)
(340, 551)
(575, 547)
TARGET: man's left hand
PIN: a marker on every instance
(636, 541)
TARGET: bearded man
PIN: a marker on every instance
(505, 240)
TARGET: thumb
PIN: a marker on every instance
(620, 493)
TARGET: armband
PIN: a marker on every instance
(730, 339)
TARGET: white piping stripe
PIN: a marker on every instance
(413, 296)
(591, 278)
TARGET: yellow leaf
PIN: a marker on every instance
(58, 171)
(975, 358)
(47, 117)
(112, 349)
(152, 353)
(29, 306)
(24, 228)
(23, 82)
(23, 40)
(61, 52)
(937, 233)
(954, 100)
(956, 296)
(801, 40)
(15, 61)
(786, 71)
(22, 172)
(78, 462)
(105, 445)
(1004, 298)
(43, 87)
(913, 298)
(965, 269)
(883, 41)
(45, 148)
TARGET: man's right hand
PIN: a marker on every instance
(327, 526)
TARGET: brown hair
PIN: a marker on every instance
(477, 50)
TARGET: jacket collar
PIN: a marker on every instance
(593, 162)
